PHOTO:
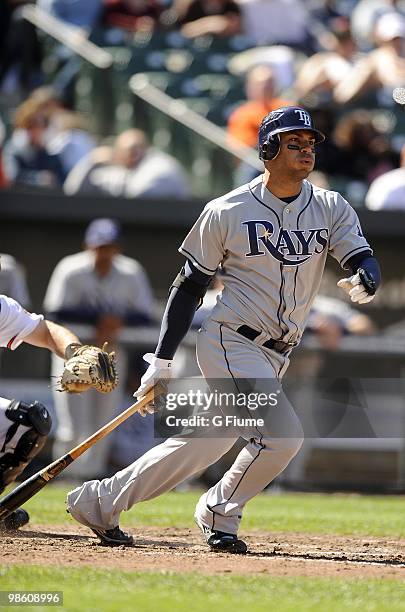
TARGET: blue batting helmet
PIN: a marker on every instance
(285, 119)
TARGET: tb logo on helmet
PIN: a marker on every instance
(304, 117)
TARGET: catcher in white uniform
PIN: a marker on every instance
(271, 238)
(24, 427)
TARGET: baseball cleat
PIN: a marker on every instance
(15, 520)
(113, 537)
(220, 541)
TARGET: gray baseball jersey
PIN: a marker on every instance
(74, 283)
(272, 254)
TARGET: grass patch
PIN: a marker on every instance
(287, 512)
(94, 590)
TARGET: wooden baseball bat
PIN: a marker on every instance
(35, 483)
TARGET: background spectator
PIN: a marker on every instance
(323, 71)
(330, 12)
(69, 139)
(365, 15)
(104, 289)
(281, 59)
(364, 151)
(384, 67)
(200, 17)
(244, 122)
(48, 99)
(262, 98)
(387, 192)
(130, 169)
(76, 13)
(26, 157)
(272, 22)
(132, 15)
(67, 136)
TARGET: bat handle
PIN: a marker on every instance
(13, 500)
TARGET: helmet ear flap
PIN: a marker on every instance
(271, 148)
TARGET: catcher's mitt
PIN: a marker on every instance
(88, 367)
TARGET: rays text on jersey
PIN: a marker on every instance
(299, 244)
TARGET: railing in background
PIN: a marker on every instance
(178, 110)
(74, 38)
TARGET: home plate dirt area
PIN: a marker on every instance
(182, 550)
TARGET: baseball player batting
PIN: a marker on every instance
(270, 238)
(24, 427)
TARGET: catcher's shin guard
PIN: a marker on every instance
(24, 438)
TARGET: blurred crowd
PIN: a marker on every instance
(51, 146)
(340, 58)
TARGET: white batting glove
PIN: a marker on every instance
(355, 289)
(158, 368)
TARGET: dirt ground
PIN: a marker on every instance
(182, 550)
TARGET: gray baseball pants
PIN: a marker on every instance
(221, 353)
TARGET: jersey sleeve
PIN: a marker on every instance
(204, 244)
(346, 238)
(15, 323)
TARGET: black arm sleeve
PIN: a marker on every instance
(180, 308)
(367, 262)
